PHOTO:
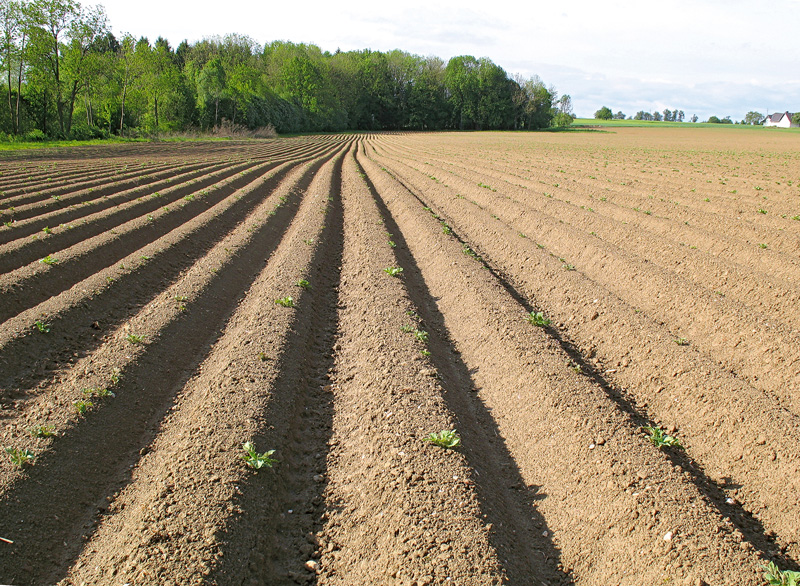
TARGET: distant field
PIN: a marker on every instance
(652, 124)
(338, 298)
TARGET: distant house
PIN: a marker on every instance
(780, 119)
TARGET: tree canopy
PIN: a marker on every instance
(66, 75)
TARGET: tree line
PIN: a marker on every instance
(66, 75)
(667, 115)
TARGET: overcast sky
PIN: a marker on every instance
(720, 57)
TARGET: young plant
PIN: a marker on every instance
(82, 407)
(48, 260)
(393, 271)
(421, 335)
(285, 301)
(537, 318)
(47, 230)
(134, 339)
(303, 284)
(255, 460)
(681, 341)
(20, 457)
(777, 577)
(659, 438)
(100, 393)
(444, 439)
(43, 431)
(44, 328)
(406, 328)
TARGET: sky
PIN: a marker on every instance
(705, 57)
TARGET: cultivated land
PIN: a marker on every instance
(665, 259)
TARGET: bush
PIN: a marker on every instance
(86, 132)
(34, 135)
(562, 120)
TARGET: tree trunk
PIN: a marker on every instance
(19, 81)
(10, 105)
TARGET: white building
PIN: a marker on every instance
(780, 119)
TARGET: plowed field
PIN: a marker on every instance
(143, 343)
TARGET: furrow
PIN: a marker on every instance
(735, 432)
(609, 498)
(232, 397)
(762, 352)
(398, 510)
(110, 296)
(38, 281)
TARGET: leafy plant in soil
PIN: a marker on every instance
(255, 460)
(43, 327)
(20, 457)
(537, 318)
(82, 407)
(393, 271)
(49, 260)
(660, 438)
(43, 431)
(285, 301)
(303, 284)
(681, 341)
(777, 577)
(134, 339)
(447, 438)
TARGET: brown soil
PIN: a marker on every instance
(672, 298)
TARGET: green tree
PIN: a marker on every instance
(212, 85)
(12, 45)
(604, 113)
(755, 118)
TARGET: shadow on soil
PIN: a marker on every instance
(273, 536)
(751, 528)
(55, 507)
(520, 534)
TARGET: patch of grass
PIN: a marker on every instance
(20, 457)
(393, 271)
(447, 438)
(49, 260)
(255, 460)
(134, 339)
(659, 438)
(303, 284)
(537, 318)
(285, 301)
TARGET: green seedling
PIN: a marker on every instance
(393, 271)
(303, 284)
(285, 301)
(116, 375)
(98, 393)
(43, 327)
(134, 339)
(392, 244)
(47, 230)
(659, 438)
(681, 341)
(762, 246)
(262, 356)
(49, 260)
(421, 335)
(537, 318)
(762, 211)
(406, 328)
(777, 577)
(569, 267)
(425, 352)
(255, 460)
(43, 431)
(82, 407)
(444, 439)
(181, 298)
(20, 457)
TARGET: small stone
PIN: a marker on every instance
(592, 446)
(318, 478)
(668, 536)
(312, 565)
(600, 441)
(730, 501)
